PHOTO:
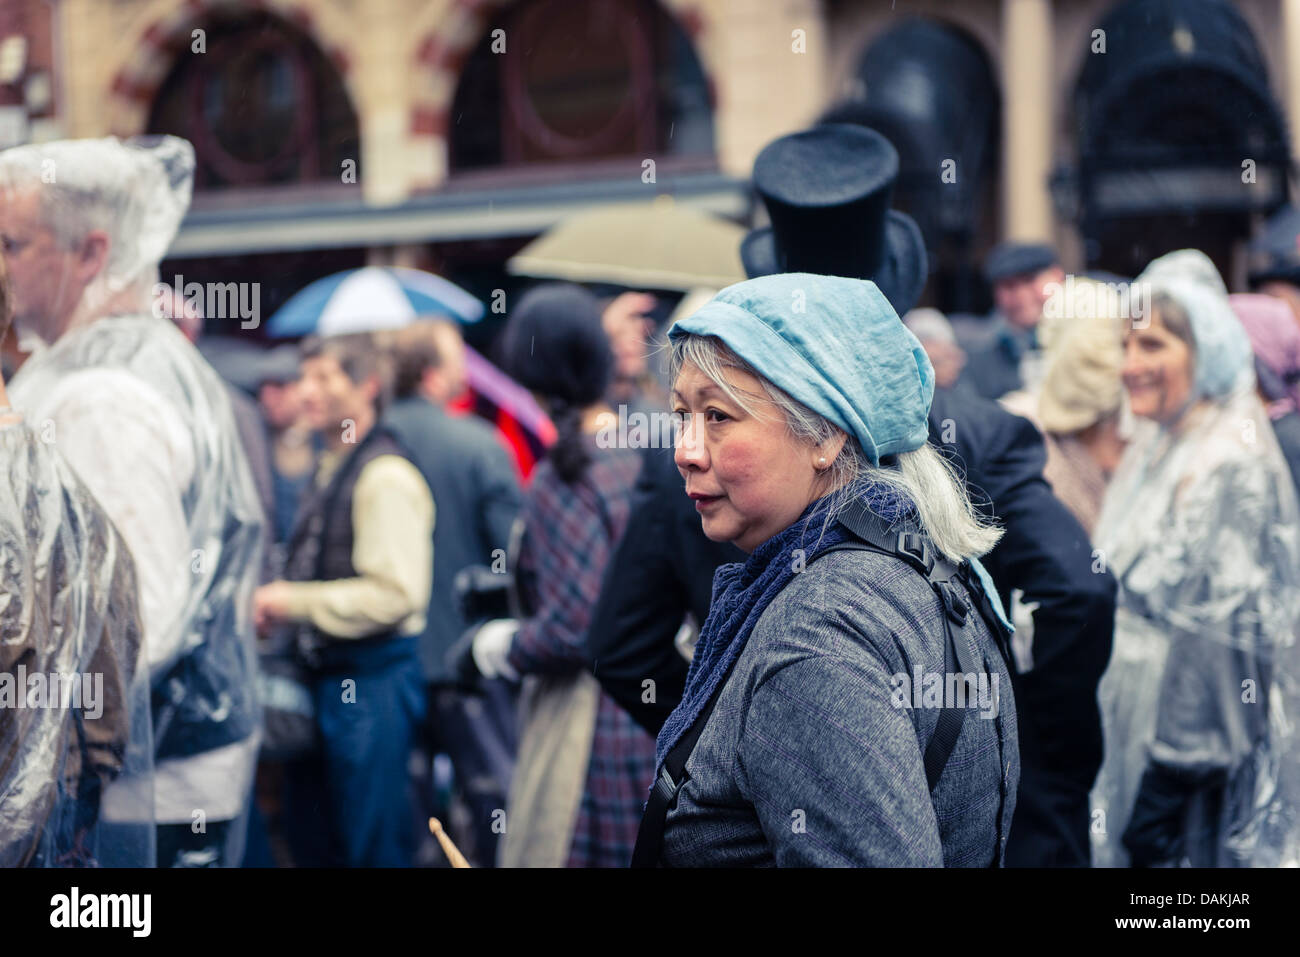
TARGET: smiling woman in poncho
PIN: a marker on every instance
(1199, 526)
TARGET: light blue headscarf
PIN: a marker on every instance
(1223, 353)
(833, 344)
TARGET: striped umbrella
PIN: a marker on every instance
(389, 297)
(375, 297)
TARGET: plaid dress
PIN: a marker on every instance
(571, 531)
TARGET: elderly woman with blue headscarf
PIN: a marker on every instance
(817, 727)
(1199, 525)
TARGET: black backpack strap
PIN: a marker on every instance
(942, 575)
(957, 659)
(944, 737)
(671, 779)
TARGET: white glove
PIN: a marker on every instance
(491, 648)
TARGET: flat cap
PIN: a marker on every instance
(1018, 259)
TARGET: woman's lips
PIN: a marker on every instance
(704, 501)
(1146, 382)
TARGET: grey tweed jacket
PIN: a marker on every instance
(813, 755)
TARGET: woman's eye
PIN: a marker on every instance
(717, 416)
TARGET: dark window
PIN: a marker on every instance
(262, 106)
(580, 80)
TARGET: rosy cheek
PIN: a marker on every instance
(737, 464)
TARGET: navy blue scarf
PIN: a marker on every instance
(741, 593)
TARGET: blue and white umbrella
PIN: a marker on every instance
(390, 297)
(375, 297)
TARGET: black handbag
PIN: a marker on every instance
(288, 715)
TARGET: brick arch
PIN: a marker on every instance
(448, 33)
(166, 27)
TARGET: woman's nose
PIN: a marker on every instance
(1132, 364)
(690, 452)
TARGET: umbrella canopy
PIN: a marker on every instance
(375, 297)
(655, 245)
(493, 395)
(389, 297)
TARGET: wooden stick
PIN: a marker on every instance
(453, 853)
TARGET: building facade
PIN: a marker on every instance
(447, 133)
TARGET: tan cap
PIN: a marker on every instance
(1082, 384)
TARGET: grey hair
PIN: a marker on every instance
(69, 211)
(135, 192)
(922, 476)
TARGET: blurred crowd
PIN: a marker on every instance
(328, 604)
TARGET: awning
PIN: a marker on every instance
(276, 225)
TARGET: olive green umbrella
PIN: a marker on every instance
(660, 244)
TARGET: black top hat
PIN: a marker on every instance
(827, 192)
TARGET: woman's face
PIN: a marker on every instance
(1157, 371)
(750, 478)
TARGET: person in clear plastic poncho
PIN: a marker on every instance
(74, 686)
(1201, 700)
(146, 425)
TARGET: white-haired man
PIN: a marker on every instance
(147, 425)
(75, 698)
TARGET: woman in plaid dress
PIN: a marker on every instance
(584, 765)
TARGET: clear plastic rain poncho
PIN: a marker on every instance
(147, 425)
(1201, 700)
(74, 683)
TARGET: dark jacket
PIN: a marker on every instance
(661, 570)
(993, 368)
(813, 754)
(252, 435)
(1045, 554)
(477, 499)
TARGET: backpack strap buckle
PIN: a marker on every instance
(911, 547)
(956, 607)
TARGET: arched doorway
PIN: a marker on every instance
(261, 104)
(931, 90)
(270, 119)
(1180, 138)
